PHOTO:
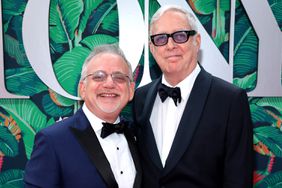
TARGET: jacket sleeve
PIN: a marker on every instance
(238, 164)
(42, 170)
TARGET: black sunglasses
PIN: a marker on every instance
(178, 37)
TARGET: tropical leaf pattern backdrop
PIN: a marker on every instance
(76, 27)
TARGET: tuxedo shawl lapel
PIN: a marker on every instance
(90, 143)
(131, 140)
(147, 139)
(191, 116)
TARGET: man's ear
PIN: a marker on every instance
(82, 89)
(197, 41)
(131, 90)
(152, 47)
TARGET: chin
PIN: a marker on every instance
(110, 109)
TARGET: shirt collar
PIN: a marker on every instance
(185, 85)
(96, 123)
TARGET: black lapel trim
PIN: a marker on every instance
(132, 141)
(91, 145)
(149, 102)
(189, 121)
(147, 139)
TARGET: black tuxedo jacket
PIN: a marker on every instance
(68, 154)
(212, 147)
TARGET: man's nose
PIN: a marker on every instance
(170, 43)
(109, 81)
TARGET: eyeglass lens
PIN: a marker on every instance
(101, 76)
(178, 37)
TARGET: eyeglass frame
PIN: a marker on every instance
(187, 32)
(113, 74)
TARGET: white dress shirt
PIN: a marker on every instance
(165, 117)
(116, 149)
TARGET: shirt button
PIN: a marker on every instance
(117, 148)
(121, 172)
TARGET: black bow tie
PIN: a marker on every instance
(109, 128)
(174, 93)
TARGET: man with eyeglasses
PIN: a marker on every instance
(94, 147)
(194, 130)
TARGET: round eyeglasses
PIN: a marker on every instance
(178, 37)
(101, 76)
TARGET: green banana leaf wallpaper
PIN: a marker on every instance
(76, 27)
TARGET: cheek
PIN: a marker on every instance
(126, 93)
(90, 90)
(160, 60)
(189, 51)
(156, 51)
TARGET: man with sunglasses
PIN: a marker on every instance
(194, 130)
(94, 147)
